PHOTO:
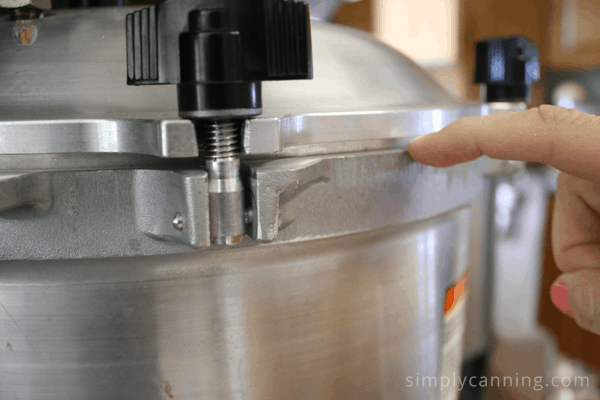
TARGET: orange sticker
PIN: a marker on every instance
(454, 293)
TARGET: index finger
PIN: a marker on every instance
(567, 139)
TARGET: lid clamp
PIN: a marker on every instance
(218, 53)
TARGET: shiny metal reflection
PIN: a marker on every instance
(343, 318)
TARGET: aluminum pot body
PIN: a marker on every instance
(342, 315)
(354, 317)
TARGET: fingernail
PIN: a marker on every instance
(559, 293)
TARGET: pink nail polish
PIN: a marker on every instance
(560, 297)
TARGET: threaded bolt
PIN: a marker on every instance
(226, 192)
(222, 139)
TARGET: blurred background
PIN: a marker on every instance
(440, 35)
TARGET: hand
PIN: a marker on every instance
(568, 140)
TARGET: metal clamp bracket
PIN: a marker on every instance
(313, 197)
(173, 206)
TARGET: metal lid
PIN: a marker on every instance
(76, 69)
(65, 105)
(66, 95)
(354, 71)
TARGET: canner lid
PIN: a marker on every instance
(102, 168)
(67, 93)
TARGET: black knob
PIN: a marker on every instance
(508, 66)
(218, 51)
(211, 73)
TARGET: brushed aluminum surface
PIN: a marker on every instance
(342, 318)
(66, 98)
(92, 144)
(119, 213)
(84, 144)
(77, 69)
(65, 104)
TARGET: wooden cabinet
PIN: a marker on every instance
(573, 39)
(357, 14)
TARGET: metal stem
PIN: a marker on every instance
(226, 192)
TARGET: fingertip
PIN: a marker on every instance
(577, 295)
(434, 151)
(453, 144)
(414, 148)
(415, 142)
(425, 149)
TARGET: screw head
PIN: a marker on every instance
(178, 222)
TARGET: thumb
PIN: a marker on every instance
(577, 294)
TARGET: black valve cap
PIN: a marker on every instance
(218, 52)
(508, 66)
(211, 79)
(271, 38)
(210, 52)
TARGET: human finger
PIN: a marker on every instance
(567, 139)
(576, 224)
